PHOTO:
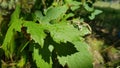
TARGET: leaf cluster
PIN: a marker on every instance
(51, 38)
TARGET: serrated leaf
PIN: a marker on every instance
(36, 31)
(42, 57)
(15, 25)
(64, 32)
(15, 15)
(80, 59)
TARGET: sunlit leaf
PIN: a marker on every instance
(64, 32)
(54, 13)
(36, 31)
(74, 5)
(67, 1)
(15, 25)
(80, 59)
(68, 16)
(22, 61)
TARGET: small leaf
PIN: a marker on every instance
(69, 15)
(91, 17)
(75, 5)
(38, 16)
(96, 12)
(90, 9)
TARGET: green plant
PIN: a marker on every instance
(52, 38)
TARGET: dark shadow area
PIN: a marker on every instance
(44, 52)
(42, 4)
(62, 49)
(1, 56)
(65, 49)
(107, 25)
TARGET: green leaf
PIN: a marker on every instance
(64, 32)
(36, 31)
(91, 17)
(42, 57)
(38, 16)
(68, 16)
(90, 9)
(75, 5)
(96, 12)
(54, 13)
(15, 25)
(73, 8)
(22, 61)
(85, 30)
(80, 59)
(15, 15)
(83, 27)
(67, 1)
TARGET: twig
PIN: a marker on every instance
(111, 46)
